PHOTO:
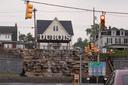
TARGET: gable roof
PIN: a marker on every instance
(42, 25)
(10, 29)
(6, 29)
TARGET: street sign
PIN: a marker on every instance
(97, 68)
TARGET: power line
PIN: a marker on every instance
(69, 7)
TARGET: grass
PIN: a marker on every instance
(7, 74)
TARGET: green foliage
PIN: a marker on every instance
(116, 53)
(22, 37)
(92, 31)
(29, 37)
(81, 43)
(26, 38)
(7, 74)
(123, 53)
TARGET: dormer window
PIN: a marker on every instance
(55, 28)
(122, 33)
(118, 32)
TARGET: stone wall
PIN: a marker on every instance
(50, 63)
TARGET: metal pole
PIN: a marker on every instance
(99, 35)
(93, 17)
(80, 66)
(93, 39)
(35, 26)
(98, 56)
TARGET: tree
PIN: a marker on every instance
(81, 43)
(22, 37)
(26, 38)
(29, 37)
(92, 32)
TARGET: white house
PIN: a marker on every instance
(8, 36)
(113, 38)
(54, 34)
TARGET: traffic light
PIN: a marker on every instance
(102, 21)
(29, 10)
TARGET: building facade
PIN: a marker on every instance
(54, 34)
(113, 38)
(8, 36)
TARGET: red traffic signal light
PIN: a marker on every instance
(102, 21)
(29, 10)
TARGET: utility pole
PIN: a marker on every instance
(35, 26)
(101, 26)
(93, 17)
(93, 24)
(80, 66)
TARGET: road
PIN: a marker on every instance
(44, 84)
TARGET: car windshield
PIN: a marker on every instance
(125, 79)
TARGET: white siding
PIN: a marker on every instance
(5, 37)
(55, 24)
(20, 46)
(8, 45)
(56, 30)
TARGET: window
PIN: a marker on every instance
(107, 40)
(126, 33)
(111, 40)
(7, 45)
(117, 32)
(54, 29)
(8, 36)
(119, 40)
(115, 41)
(122, 33)
(5, 36)
(125, 40)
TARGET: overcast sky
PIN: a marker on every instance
(13, 11)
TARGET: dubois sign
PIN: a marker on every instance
(54, 38)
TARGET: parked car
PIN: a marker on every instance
(118, 77)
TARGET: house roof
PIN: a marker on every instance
(10, 29)
(42, 25)
(7, 29)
